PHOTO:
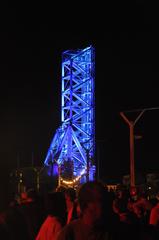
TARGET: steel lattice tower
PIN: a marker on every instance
(73, 145)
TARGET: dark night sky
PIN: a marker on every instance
(33, 38)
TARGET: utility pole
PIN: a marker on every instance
(38, 172)
(132, 160)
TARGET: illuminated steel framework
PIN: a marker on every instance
(73, 145)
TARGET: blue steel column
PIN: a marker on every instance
(74, 141)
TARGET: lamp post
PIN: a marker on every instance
(132, 160)
(131, 126)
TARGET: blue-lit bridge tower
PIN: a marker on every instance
(73, 146)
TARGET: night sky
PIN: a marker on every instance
(33, 38)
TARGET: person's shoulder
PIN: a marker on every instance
(107, 236)
(67, 232)
(75, 221)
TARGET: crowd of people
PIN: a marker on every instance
(90, 212)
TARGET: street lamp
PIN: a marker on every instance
(132, 162)
(132, 137)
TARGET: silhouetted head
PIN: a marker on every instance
(91, 197)
(56, 204)
(70, 193)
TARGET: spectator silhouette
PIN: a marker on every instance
(71, 203)
(56, 216)
(88, 226)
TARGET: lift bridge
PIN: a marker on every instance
(72, 151)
